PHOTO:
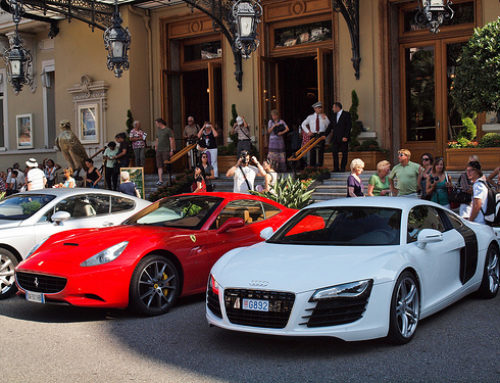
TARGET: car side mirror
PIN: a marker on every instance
(231, 223)
(266, 233)
(426, 236)
(60, 216)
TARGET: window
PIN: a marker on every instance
(342, 226)
(121, 204)
(270, 210)
(423, 217)
(100, 203)
(77, 206)
(455, 221)
(189, 212)
(204, 51)
(464, 14)
(248, 210)
(303, 34)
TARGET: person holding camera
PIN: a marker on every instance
(277, 128)
(244, 174)
(209, 134)
(438, 183)
(241, 128)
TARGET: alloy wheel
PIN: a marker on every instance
(157, 285)
(493, 271)
(407, 307)
(6, 273)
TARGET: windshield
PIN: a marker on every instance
(21, 206)
(188, 212)
(342, 226)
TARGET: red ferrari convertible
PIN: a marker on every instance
(162, 252)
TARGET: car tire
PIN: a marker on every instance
(404, 310)
(8, 262)
(155, 285)
(491, 274)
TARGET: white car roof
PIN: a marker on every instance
(403, 203)
(66, 192)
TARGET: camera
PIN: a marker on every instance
(279, 128)
(244, 156)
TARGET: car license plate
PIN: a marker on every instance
(35, 297)
(255, 305)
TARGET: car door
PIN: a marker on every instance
(252, 213)
(86, 211)
(438, 263)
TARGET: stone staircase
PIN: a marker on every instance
(335, 187)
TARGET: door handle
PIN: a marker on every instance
(439, 124)
(106, 224)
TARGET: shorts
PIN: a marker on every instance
(161, 157)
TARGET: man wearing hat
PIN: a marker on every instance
(36, 177)
(315, 125)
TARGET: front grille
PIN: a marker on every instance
(337, 311)
(213, 303)
(40, 283)
(280, 307)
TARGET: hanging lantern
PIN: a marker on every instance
(246, 16)
(432, 13)
(117, 43)
(17, 59)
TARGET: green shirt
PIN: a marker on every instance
(406, 177)
(110, 153)
(163, 136)
(378, 185)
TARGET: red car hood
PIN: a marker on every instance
(75, 246)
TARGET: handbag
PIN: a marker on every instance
(457, 195)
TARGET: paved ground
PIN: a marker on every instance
(60, 344)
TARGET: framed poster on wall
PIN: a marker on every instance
(24, 131)
(88, 123)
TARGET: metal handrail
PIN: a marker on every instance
(306, 148)
(177, 156)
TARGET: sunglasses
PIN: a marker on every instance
(401, 154)
(426, 159)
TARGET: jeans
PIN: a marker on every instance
(139, 157)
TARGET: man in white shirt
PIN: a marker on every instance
(36, 177)
(316, 125)
(244, 174)
(479, 192)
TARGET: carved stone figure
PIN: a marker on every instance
(71, 147)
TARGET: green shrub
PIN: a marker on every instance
(290, 192)
(181, 185)
(469, 130)
(314, 173)
(490, 140)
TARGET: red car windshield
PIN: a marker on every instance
(187, 212)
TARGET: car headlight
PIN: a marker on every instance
(35, 248)
(346, 290)
(213, 286)
(105, 256)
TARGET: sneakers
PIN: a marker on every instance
(159, 183)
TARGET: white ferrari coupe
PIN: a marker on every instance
(354, 269)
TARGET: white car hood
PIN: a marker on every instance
(6, 223)
(300, 268)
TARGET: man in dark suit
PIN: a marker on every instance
(341, 126)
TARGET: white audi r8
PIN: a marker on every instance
(355, 269)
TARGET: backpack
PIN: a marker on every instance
(492, 211)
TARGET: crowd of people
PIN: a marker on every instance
(428, 180)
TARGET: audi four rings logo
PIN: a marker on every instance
(259, 283)
(36, 281)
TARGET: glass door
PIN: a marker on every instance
(429, 116)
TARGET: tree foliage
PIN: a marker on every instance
(476, 87)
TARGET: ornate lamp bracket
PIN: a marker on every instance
(350, 10)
